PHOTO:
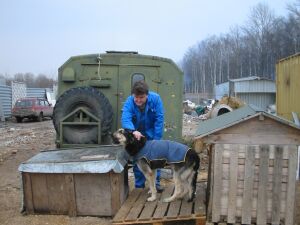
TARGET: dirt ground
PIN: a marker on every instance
(18, 143)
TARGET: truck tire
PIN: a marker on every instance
(94, 102)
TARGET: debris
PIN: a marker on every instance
(271, 109)
(232, 102)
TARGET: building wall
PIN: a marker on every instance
(261, 100)
(288, 86)
(221, 90)
(255, 86)
(260, 93)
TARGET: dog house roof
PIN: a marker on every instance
(231, 118)
(102, 159)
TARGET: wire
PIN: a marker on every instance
(99, 59)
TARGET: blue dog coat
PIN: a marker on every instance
(158, 150)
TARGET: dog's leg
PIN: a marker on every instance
(183, 178)
(191, 187)
(178, 188)
(151, 179)
(150, 176)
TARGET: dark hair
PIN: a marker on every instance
(140, 88)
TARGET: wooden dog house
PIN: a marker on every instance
(253, 167)
(83, 181)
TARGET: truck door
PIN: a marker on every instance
(129, 74)
(105, 83)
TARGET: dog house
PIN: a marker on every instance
(83, 182)
(253, 167)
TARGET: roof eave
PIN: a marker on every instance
(279, 119)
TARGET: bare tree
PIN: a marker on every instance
(252, 49)
(43, 81)
(258, 28)
(294, 8)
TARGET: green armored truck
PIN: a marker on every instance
(93, 88)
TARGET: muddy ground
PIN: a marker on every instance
(18, 143)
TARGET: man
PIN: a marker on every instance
(143, 113)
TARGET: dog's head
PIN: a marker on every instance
(127, 139)
(119, 137)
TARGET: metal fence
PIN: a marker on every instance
(6, 100)
(36, 92)
(9, 95)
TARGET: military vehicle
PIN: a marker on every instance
(93, 88)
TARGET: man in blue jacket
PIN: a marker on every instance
(143, 113)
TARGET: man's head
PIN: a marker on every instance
(140, 92)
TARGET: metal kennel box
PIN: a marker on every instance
(83, 182)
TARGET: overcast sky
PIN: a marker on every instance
(38, 36)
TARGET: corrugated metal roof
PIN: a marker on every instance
(249, 78)
(88, 160)
(231, 118)
(207, 126)
(289, 57)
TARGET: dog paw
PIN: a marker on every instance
(151, 199)
(167, 200)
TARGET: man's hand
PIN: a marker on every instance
(137, 135)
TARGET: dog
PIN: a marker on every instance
(183, 161)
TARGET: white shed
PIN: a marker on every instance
(257, 91)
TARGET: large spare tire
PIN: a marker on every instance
(220, 110)
(91, 100)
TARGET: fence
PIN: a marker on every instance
(9, 95)
(253, 184)
(5, 100)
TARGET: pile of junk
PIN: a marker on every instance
(211, 108)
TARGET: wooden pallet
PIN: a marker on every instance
(136, 210)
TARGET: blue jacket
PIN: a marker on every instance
(168, 151)
(151, 122)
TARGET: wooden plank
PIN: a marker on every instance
(276, 194)
(297, 204)
(93, 196)
(148, 209)
(252, 139)
(199, 206)
(174, 209)
(162, 207)
(123, 184)
(291, 189)
(56, 189)
(262, 186)
(70, 192)
(28, 199)
(39, 192)
(254, 125)
(209, 189)
(128, 204)
(115, 190)
(137, 207)
(217, 183)
(185, 209)
(248, 185)
(232, 185)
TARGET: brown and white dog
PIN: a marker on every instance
(185, 165)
